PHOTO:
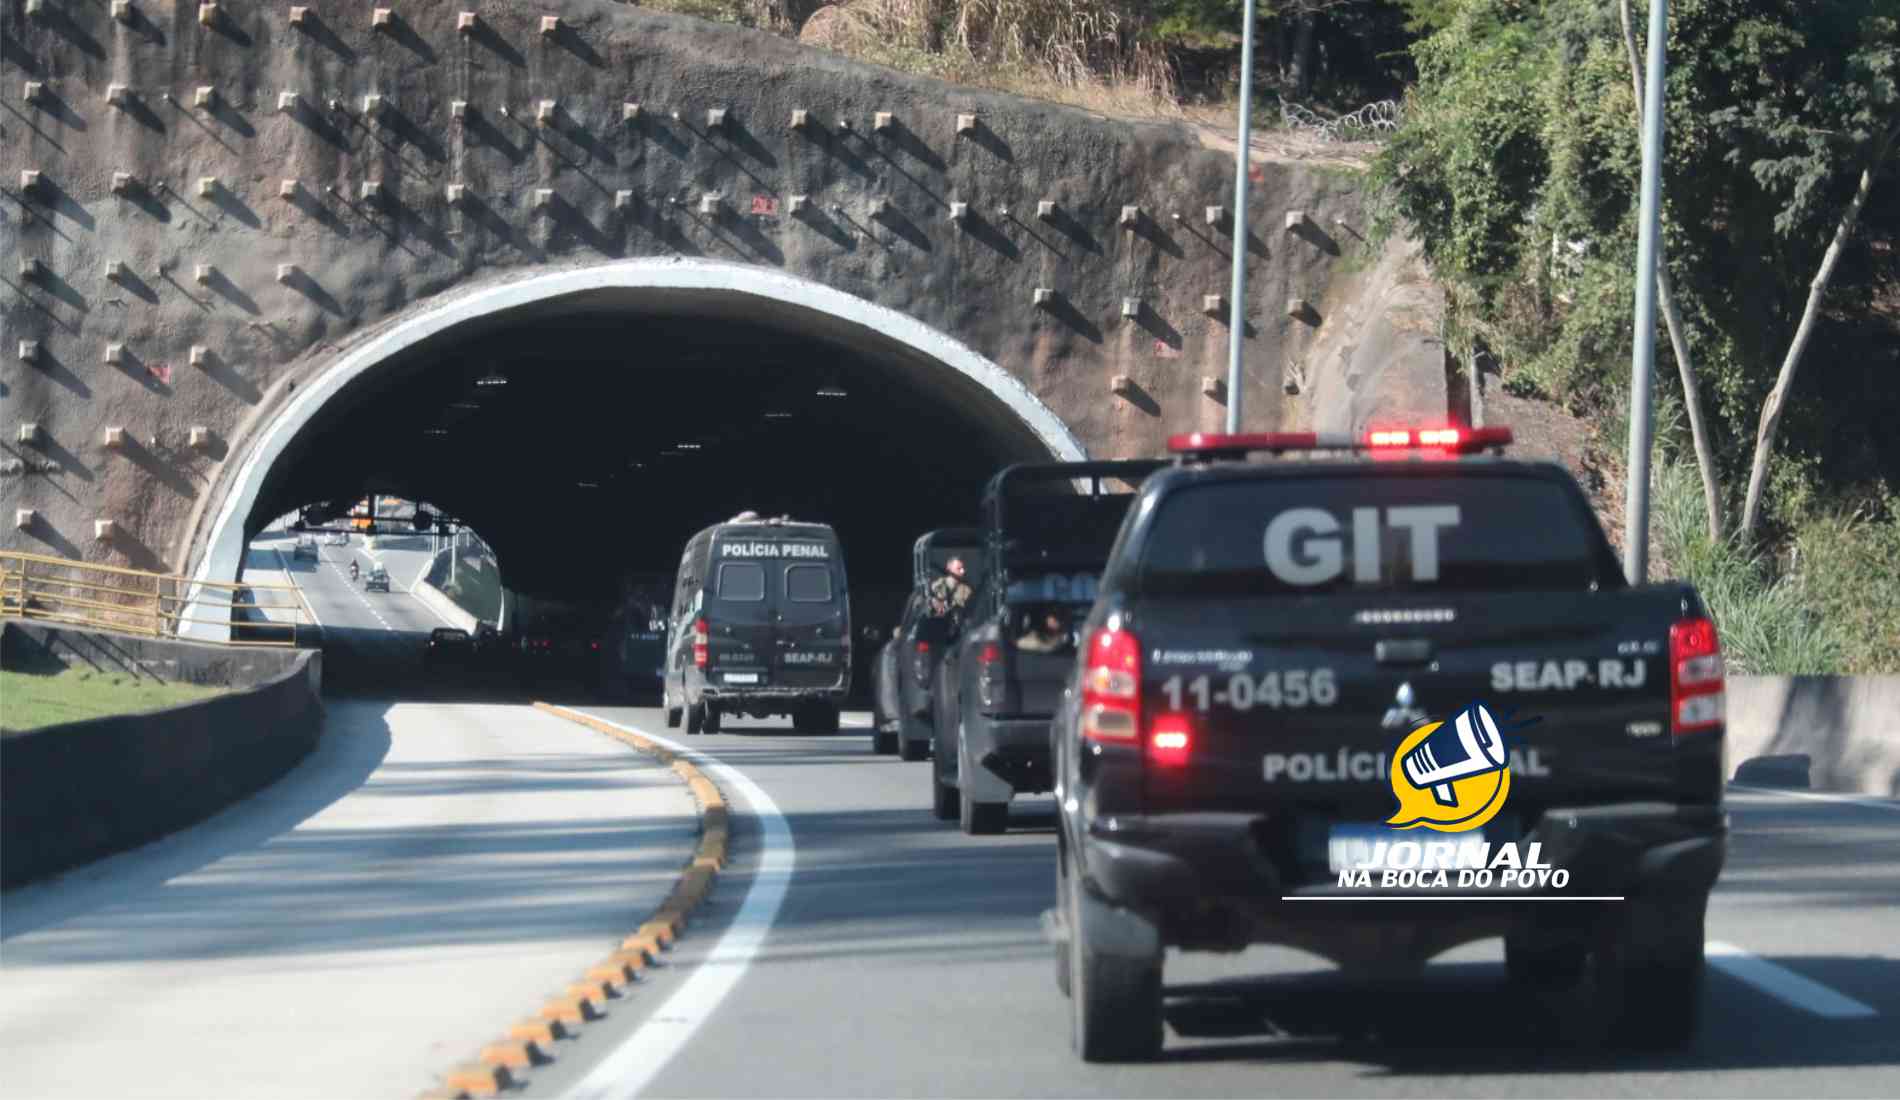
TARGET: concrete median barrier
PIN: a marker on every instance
(1827, 733)
(79, 791)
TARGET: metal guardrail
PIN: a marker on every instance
(43, 588)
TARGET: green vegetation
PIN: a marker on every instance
(476, 591)
(31, 698)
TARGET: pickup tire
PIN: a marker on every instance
(944, 804)
(909, 749)
(672, 718)
(1648, 972)
(710, 723)
(981, 818)
(884, 742)
(1114, 1000)
(695, 718)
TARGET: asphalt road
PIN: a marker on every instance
(905, 959)
(429, 875)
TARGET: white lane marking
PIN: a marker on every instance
(308, 605)
(1872, 802)
(351, 585)
(632, 1065)
(1785, 985)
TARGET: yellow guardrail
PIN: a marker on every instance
(132, 601)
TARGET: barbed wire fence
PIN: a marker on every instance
(1364, 124)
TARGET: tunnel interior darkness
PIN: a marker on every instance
(588, 439)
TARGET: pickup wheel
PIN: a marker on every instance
(981, 818)
(944, 802)
(908, 748)
(1114, 1000)
(884, 742)
(695, 718)
(710, 723)
(1649, 973)
(672, 718)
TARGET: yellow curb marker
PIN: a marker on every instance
(530, 1041)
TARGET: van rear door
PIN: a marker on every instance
(741, 637)
(814, 622)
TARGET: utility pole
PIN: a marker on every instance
(1237, 292)
(1643, 357)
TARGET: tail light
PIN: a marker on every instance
(990, 683)
(699, 643)
(1111, 688)
(920, 664)
(1696, 684)
(1170, 740)
(923, 648)
(989, 655)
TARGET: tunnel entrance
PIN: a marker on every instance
(588, 422)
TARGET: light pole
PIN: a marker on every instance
(1643, 357)
(1237, 292)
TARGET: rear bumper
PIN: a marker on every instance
(1220, 879)
(1009, 755)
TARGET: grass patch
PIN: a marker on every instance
(32, 699)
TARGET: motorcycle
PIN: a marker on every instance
(354, 569)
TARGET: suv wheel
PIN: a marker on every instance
(1114, 1000)
(908, 748)
(884, 742)
(981, 818)
(710, 723)
(1649, 973)
(672, 718)
(695, 717)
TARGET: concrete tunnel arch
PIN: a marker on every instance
(224, 543)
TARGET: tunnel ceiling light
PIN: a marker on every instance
(832, 390)
(466, 405)
(435, 431)
(588, 484)
(778, 416)
(688, 446)
(492, 378)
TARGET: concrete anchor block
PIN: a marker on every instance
(115, 354)
(124, 183)
(458, 109)
(30, 269)
(1213, 304)
(286, 273)
(1131, 217)
(203, 274)
(207, 187)
(29, 351)
(543, 198)
(288, 189)
(545, 111)
(801, 118)
(122, 10)
(30, 180)
(465, 22)
(198, 437)
(1211, 386)
(35, 91)
(118, 271)
(550, 25)
(966, 124)
(1299, 308)
(28, 433)
(1215, 215)
(24, 518)
(1003, 212)
(715, 118)
(209, 14)
(103, 530)
(1121, 385)
(372, 105)
(623, 199)
(1296, 219)
(629, 112)
(880, 207)
(200, 355)
(118, 95)
(457, 193)
(709, 204)
(1046, 209)
(204, 96)
(36, 7)
(1131, 307)
(882, 121)
(370, 191)
(1044, 296)
(114, 437)
(382, 19)
(286, 101)
(299, 16)
(797, 204)
(959, 211)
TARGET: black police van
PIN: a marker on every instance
(760, 624)
(1247, 745)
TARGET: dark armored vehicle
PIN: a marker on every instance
(907, 664)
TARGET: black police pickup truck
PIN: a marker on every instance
(999, 684)
(1251, 722)
(907, 664)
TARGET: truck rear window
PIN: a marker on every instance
(1345, 534)
(808, 583)
(741, 581)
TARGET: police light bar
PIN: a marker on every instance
(1452, 440)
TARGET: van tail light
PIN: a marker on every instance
(1111, 688)
(923, 648)
(699, 643)
(1697, 699)
(1170, 740)
(990, 681)
(920, 664)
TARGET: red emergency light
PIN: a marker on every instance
(1448, 440)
